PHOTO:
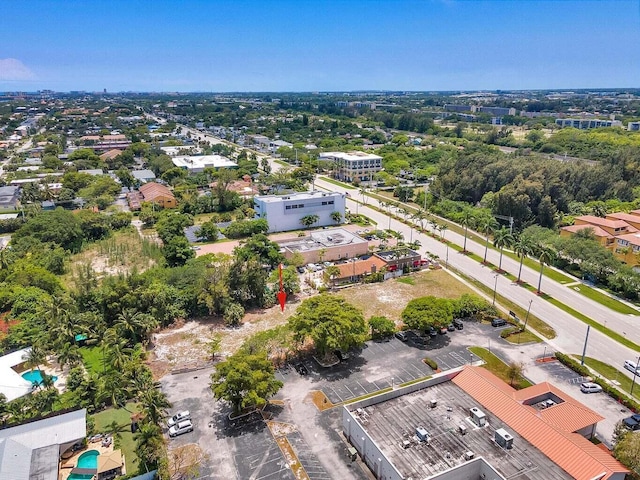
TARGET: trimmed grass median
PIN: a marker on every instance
(499, 368)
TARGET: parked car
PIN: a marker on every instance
(498, 322)
(402, 336)
(179, 417)
(590, 387)
(342, 355)
(443, 330)
(300, 269)
(632, 422)
(180, 428)
(451, 327)
(433, 332)
(631, 366)
(458, 323)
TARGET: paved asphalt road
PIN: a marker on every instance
(570, 331)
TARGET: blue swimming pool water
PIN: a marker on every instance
(88, 459)
(78, 476)
(35, 376)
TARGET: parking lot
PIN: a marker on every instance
(247, 448)
(381, 365)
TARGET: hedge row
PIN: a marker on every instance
(608, 389)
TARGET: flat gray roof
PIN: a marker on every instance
(390, 422)
(331, 237)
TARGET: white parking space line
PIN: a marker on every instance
(441, 361)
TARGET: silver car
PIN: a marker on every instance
(180, 428)
(179, 417)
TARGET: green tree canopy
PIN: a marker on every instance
(330, 321)
(245, 381)
(422, 313)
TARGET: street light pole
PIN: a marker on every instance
(526, 319)
(446, 259)
(495, 287)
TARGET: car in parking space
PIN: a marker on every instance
(632, 422)
(590, 387)
(458, 323)
(433, 332)
(451, 327)
(498, 322)
(401, 335)
(300, 269)
(179, 417)
(442, 330)
(182, 427)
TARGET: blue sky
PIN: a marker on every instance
(307, 45)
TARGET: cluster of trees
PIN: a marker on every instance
(531, 189)
(426, 312)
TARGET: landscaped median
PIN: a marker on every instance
(512, 374)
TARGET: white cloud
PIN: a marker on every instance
(13, 69)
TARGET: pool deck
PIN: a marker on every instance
(67, 465)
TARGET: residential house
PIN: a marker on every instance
(9, 198)
(32, 450)
(143, 176)
(110, 155)
(153, 192)
(356, 270)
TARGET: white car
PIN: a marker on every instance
(590, 387)
(180, 428)
(179, 417)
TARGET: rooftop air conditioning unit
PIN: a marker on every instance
(422, 434)
(504, 438)
(478, 417)
(468, 455)
(462, 429)
(433, 403)
(406, 444)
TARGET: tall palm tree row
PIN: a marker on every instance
(523, 247)
(502, 239)
(488, 226)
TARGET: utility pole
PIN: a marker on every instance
(635, 374)
(584, 349)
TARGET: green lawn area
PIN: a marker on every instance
(612, 373)
(523, 337)
(605, 300)
(280, 162)
(336, 182)
(92, 358)
(498, 367)
(123, 418)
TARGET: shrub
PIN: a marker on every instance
(431, 362)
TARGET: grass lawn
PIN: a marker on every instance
(92, 358)
(523, 337)
(612, 373)
(498, 367)
(336, 182)
(605, 300)
(123, 418)
(391, 297)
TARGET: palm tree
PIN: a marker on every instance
(155, 404)
(502, 238)
(34, 357)
(467, 221)
(546, 254)
(434, 226)
(336, 217)
(523, 248)
(488, 226)
(515, 371)
(363, 192)
(148, 445)
(443, 229)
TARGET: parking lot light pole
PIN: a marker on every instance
(635, 374)
(495, 288)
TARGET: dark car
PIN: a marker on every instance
(498, 322)
(632, 422)
(458, 323)
(300, 269)
(342, 355)
(401, 336)
(301, 369)
(433, 332)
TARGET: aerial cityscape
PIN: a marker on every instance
(320, 240)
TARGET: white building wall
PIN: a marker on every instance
(284, 212)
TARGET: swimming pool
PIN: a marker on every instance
(88, 459)
(79, 476)
(35, 376)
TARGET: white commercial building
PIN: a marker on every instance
(196, 164)
(353, 166)
(285, 212)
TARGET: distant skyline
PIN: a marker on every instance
(330, 45)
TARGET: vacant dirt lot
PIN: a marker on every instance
(184, 345)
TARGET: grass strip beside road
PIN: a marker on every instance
(612, 374)
(498, 367)
(606, 300)
(337, 183)
(601, 328)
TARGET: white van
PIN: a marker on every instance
(631, 366)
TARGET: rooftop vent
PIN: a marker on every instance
(504, 438)
(422, 434)
(462, 429)
(433, 403)
(468, 455)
